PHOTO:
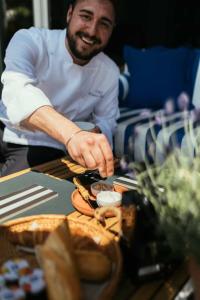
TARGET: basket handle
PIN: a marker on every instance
(100, 215)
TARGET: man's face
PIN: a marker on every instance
(90, 25)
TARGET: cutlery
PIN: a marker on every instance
(84, 193)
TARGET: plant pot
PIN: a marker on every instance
(194, 271)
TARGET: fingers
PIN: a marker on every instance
(93, 152)
(98, 158)
(103, 156)
(75, 155)
(109, 161)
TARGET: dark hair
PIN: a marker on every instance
(113, 2)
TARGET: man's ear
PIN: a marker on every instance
(69, 13)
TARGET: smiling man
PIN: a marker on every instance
(89, 29)
(54, 78)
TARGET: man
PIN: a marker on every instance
(54, 78)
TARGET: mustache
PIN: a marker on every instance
(82, 34)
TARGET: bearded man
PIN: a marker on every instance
(54, 78)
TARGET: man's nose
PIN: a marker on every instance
(92, 28)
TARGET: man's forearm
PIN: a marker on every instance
(89, 149)
(48, 120)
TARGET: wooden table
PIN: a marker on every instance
(160, 289)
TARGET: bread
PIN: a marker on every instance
(80, 254)
(57, 260)
(93, 265)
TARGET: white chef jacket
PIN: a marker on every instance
(40, 71)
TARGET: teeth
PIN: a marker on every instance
(87, 41)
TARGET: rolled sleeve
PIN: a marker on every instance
(21, 97)
(20, 94)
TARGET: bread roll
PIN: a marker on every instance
(93, 265)
(57, 260)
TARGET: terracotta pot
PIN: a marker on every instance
(194, 270)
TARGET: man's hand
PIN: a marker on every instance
(89, 149)
(92, 151)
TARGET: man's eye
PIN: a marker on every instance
(106, 25)
(85, 17)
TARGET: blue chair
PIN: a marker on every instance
(155, 77)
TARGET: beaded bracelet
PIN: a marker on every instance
(73, 134)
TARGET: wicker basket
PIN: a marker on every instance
(32, 230)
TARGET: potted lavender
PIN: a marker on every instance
(173, 189)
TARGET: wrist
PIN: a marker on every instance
(71, 137)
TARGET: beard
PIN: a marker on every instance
(85, 53)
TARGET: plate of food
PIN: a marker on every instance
(86, 198)
(79, 260)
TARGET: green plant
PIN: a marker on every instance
(174, 190)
